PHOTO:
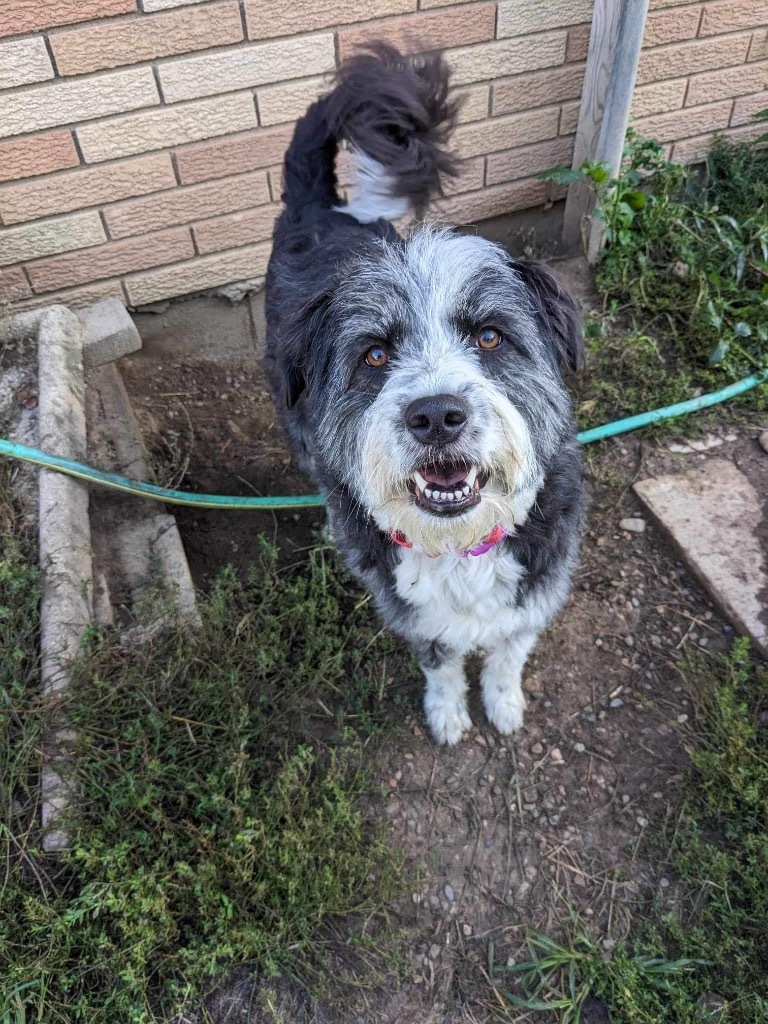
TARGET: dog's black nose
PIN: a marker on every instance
(436, 420)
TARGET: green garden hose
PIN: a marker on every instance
(143, 490)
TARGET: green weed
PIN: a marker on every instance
(565, 977)
(218, 776)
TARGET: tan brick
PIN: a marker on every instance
(672, 25)
(528, 161)
(236, 229)
(506, 57)
(23, 61)
(233, 155)
(37, 154)
(659, 97)
(745, 108)
(164, 5)
(281, 103)
(473, 103)
(494, 202)
(112, 43)
(693, 151)
(275, 175)
(540, 88)
(470, 177)
(759, 48)
(521, 17)
(198, 274)
(499, 133)
(17, 16)
(247, 66)
(569, 117)
(167, 126)
(717, 85)
(732, 15)
(88, 186)
(429, 4)
(110, 260)
(44, 106)
(685, 123)
(681, 59)
(44, 238)
(77, 298)
(267, 18)
(578, 43)
(13, 285)
(419, 32)
(183, 205)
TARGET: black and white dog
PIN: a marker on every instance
(419, 383)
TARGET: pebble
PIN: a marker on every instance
(642, 822)
(632, 525)
(466, 929)
(537, 749)
(434, 951)
(664, 883)
(557, 755)
(617, 702)
(682, 719)
(448, 893)
(579, 748)
(763, 439)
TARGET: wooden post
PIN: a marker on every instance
(609, 84)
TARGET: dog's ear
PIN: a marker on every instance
(296, 349)
(558, 311)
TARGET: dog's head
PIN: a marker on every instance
(430, 371)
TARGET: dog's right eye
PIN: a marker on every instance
(376, 356)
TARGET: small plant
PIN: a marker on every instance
(686, 253)
(564, 978)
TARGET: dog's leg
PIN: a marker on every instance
(501, 677)
(445, 700)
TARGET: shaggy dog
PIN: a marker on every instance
(418, 380)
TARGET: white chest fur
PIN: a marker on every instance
(465, 603)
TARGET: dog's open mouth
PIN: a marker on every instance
(447, 491)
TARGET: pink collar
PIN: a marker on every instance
(497, 534)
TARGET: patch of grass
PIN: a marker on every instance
(709, 951)
(219, 777)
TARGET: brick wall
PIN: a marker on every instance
(140, 140)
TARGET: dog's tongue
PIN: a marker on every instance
(448, 478)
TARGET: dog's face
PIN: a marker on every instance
(432, 378)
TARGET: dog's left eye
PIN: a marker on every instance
(488, 338)
(376, 356)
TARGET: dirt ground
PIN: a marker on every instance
(500, 833)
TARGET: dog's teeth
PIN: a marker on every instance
(444, 495)
(420, 481)
(466, 490)
(471, 476)
(458, 494)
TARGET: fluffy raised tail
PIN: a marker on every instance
(395, 114)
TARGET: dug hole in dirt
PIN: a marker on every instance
(500, 833)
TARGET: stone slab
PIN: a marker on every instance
(717, 519)
(109, 333)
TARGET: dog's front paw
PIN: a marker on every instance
(506, 711)
(448, 720)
